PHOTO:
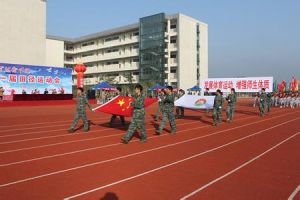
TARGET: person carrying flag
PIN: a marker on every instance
(217, 108)
(262, 102)
(231, 99)
(81, 111)
(138, 118)
(269, 101)
(160, 104)
(168, 111)
(179, 109)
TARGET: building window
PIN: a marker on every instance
(135, 34)
(173, 40)
(173, 71)
(112, 63)
(135, 60)
(69, 48)
(135, 73)
(136, 46)
(111, 50)
(173, 55)
(87, 44)
(111, 38)
(87, 54)
(173, 26)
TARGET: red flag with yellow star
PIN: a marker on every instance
(120, 105)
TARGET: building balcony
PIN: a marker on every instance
(173, 76)
(69, 62)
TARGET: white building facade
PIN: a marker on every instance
(23, 32)
(165, 49)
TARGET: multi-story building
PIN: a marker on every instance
(165, 49)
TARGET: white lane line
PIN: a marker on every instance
(174, 163)
(47, 137)
(96, 120)
(29, 133)
(50, 126)
(64, 135)
(291, 197)
(95, 138)
(238, 168)
(52, 122)
(81, 140)
(142, 152)
(115, 144)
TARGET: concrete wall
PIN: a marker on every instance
(187, 51)
(203, 51)
(23, 31)
(54, 53)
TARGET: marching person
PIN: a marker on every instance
(113, 117)
(81, 111)
(269, 101)
(168, 111)
(255, 101)
(160, 104)
(180, 110)
(138, 118)
(231, 99)
(262, 102)
(217, 108)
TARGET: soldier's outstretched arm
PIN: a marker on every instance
(88, 104)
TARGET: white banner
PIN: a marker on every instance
(248, 84)
(195, 102)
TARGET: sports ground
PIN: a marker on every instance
(251, 158)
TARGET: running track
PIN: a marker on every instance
(251, 158)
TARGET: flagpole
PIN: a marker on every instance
(106, 103)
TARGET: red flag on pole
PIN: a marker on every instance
(120, 105)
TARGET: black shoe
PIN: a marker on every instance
(143, 140)
(157, 132)
(86, 130)
(124, 141)
(71, 130)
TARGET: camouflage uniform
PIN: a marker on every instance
(269, 101)
(262, 104)
(160, 105)
(179, 110)
(138, 119)
(232, 99)
(81, 112)
(217, 109)
(168, 113)
(113, 117)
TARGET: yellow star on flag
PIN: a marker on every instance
(121, 102)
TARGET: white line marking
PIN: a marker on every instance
(109, 145)
(173, 163)
(142, 152)
(29, 133)
(291, 197)
(238, 168)
(81, 140)
(74, 141)
(53, 122)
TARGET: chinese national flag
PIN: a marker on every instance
(120, 105)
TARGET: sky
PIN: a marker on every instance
(246, 37)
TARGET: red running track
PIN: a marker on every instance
(251, 158)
